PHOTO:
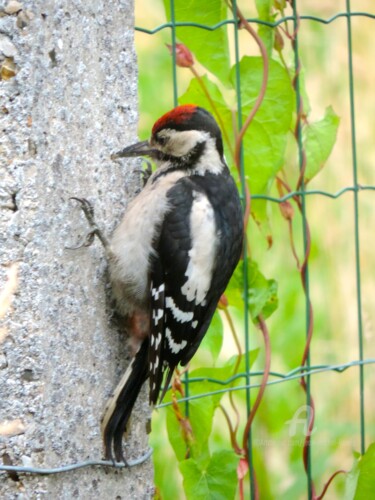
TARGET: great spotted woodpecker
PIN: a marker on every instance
(171, 257)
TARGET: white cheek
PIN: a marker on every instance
(180, 143)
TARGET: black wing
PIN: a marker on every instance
(199, 246)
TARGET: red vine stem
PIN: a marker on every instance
(310, 329)
(214, 109)
(232, 432)
(303, 270)
(237, 156)
(341, 471)
(263, 88)
(258, 102)
(300, 111)
(289, 219)
(263, 327)
(245, 24)
(303, 273)
(235, 371)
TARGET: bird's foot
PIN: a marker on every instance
(88, 210)
(146, 172)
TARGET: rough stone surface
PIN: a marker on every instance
(73, 101)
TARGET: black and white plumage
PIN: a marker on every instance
(172, 255)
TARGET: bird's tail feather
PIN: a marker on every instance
(120, 405)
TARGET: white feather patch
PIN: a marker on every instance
(203, 251)
(111, 403)
(157, 341)
(178, 314)
(181, 143)
(175, 347)
(155, 292)
(210, 161)
(157, 315)
(131, 255)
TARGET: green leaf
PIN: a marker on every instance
(206, 386)
(262, 292)
(175, 434)
(360, 482)
(201, 413)
(303, 92)
(213, 340)
(216, 481)
(166, 474)
(319, 139)
(265, 139)
(279, 4)
(195, 94)
(220, 374)
(210, 48)
(265, 32)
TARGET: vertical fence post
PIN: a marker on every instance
(356, 228)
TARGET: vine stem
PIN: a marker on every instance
(235, 371)
(263, 88)
(280, 186)
(214, 109)
(310, 329)
(267, 365)
(324, 491)
(232, 432)
(307, 247)
(237, 158)
(258, 102)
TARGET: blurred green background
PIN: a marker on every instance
(324, 55)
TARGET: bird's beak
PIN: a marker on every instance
(139, 149)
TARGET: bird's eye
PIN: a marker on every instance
(162, 140)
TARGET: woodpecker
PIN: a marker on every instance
(171, 257)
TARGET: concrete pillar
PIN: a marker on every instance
(68, 98)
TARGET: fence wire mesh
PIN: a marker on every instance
(250, 378)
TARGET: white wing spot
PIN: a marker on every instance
(194, 324)
(156, 316)
(155, 292)
(157, 341)
(175, 347)
(203, 250)
(181, 316)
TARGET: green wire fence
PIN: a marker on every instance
(306, 371)
(249, 379)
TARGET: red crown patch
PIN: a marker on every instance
(177, 115)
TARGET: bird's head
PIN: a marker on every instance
(182, 136)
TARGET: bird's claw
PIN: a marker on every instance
(146, 172)
(88, 241)
(88, 210)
